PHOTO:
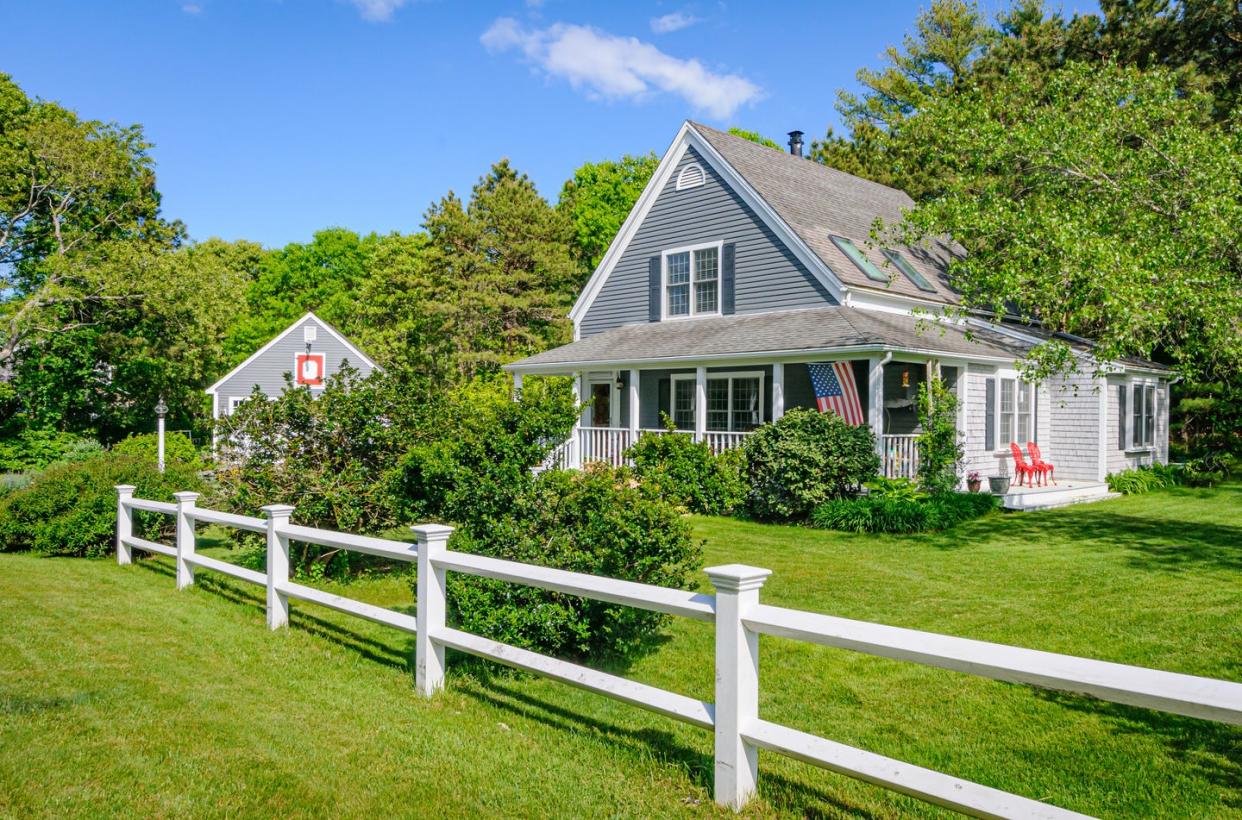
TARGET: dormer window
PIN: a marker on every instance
(692, 281)
(691, 176)
(856, 256)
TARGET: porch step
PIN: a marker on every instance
(1063, 494)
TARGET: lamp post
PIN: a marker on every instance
(161, 410)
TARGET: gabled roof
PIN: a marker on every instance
(804, 203)
(817, 201)
(362, 357)
(794, 333)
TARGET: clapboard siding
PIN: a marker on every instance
(269, 369)
(1073, 443)
(768, 275)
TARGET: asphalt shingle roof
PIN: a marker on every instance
(816, 201)
(790, 332)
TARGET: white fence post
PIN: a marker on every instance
(431, 606)
(124, 524)
(185, 538)
(277, 565)
(737, 681)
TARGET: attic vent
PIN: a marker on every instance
(691, 176)
(308, 333)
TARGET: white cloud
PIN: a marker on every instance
(378, 11)
(612, 67)
(191, 8)
(673, 22)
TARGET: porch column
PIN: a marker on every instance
(575, 439)
(700, 402)
(875, 398)
(778, 390)
(635, 375)
(517, 386)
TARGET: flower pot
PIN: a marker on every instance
(974, 486)
(998, 484)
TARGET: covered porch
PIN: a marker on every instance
(722, 404)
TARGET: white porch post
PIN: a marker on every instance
(875, 401)
(635, 375)
(737, 681)
(575, 437)
(778, 390)
(517, 386)
(700, 403)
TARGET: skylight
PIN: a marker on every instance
(903, 265)
(856, 256)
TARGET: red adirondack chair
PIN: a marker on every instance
(1020, 467)
(1037, 461)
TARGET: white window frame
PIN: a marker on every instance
(1136, 388)
(728, 376)
(323, 359)
(614, 397)
(684, 183)
(235, 402)
(1012, 376)
(692, 249)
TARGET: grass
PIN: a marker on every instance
(119, 695)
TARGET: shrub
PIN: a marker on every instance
(177, 449)
(684, 472)
(70, 509)
(34, 449)
(940, 450)
(1145, 479)
(804, 459)
(900, 513)
(596, 521)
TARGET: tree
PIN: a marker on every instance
(1101, 201)
(757, 138)
(598, 198)
(71, 191)
(500, 275)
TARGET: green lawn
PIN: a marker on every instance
(119, 695)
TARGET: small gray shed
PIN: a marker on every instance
(310, 349)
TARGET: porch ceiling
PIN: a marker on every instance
(818, 331)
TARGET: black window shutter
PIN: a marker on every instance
(989, 415)
(664, 403)
(653, 289)
(727, 278)
(1122, 417)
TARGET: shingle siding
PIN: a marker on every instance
(768, 275)
(1119, 459)
(1073, 443)
(978, 457)
(268, 370)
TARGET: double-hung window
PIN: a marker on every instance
(1015, 412)
(692, 281)
(734, 401)
(1142, 415)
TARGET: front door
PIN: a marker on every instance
(601, 404)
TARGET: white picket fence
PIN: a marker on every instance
(899, 455)
(739, 619)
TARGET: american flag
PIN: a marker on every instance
(836, 390)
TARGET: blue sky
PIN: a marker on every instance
(274, 119)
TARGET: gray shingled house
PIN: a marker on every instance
(743, 284)
(310, 350)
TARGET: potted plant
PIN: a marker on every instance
(973, 482)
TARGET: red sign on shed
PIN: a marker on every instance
(309, 370)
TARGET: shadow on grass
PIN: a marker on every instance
(482, 684)
(1214, 750)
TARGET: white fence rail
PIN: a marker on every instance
(739, 620)
(899, 456)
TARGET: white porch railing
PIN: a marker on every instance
(739, 619)
(606, 444)
(899, 456)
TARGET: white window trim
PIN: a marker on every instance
(1012, 375)
(323, 357)
(691, 249)
(683, 184)
(1132, 384)
(614, 397)
(234, 402)
(729, 375)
